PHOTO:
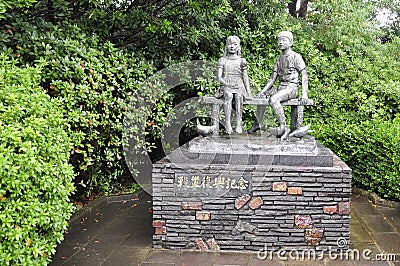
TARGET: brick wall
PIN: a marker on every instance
(284, 207)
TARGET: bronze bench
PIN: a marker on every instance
(296, 115)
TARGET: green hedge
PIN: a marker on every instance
(35, 177)
(371, 149)
(95, 82)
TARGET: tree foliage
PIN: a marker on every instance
(356, 88)
(98, 52)
(388, 12)
(35, 176)
(10, 4)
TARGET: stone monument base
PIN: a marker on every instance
(251, 193)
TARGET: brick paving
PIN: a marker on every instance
(118, 231)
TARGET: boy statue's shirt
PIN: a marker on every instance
(288, 68)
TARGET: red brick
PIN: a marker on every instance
(256, 203)
(212, 244)
(192, 205)
(303, 221)
(241, 201)
(158, 223)
(295, 191)
(314, 236)
(344, 207)
(203, 215)
(330, 209)
(279, 186)
(201, 244)
(160, 230)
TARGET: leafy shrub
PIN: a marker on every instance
(95, 82)
(371, 149)
(35, 177)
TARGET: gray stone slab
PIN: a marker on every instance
(157, 264)
(228, 258)
(305, 262)
(252, 150)
(358, 233)
(93, 223)
(88, 260)
(392, 216)
(389, 241)
(333, 262)
(254, 261)
(362, 205)
(141, 241)
(376, 223)
(195, 258)
(163, 257)
(97, 251)
(128, 256)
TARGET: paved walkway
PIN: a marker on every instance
(118, 231)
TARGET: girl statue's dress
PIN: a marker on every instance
(233, 69)
(234, 82)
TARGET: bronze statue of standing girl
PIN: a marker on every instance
(234, 82)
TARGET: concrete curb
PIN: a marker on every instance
(100, 203)
(375, 199)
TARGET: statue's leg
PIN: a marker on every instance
(275, 101)
(228, 111)
(260, 114)
(278, 109)
(215, 114)
(259, 117)
(239, 112)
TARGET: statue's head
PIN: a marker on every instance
(231, 39)
(286, 34)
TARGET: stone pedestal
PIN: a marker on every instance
(250, 192)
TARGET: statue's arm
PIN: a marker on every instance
(246, 82)
(269, 84)
(221, 80)
(304, 84)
